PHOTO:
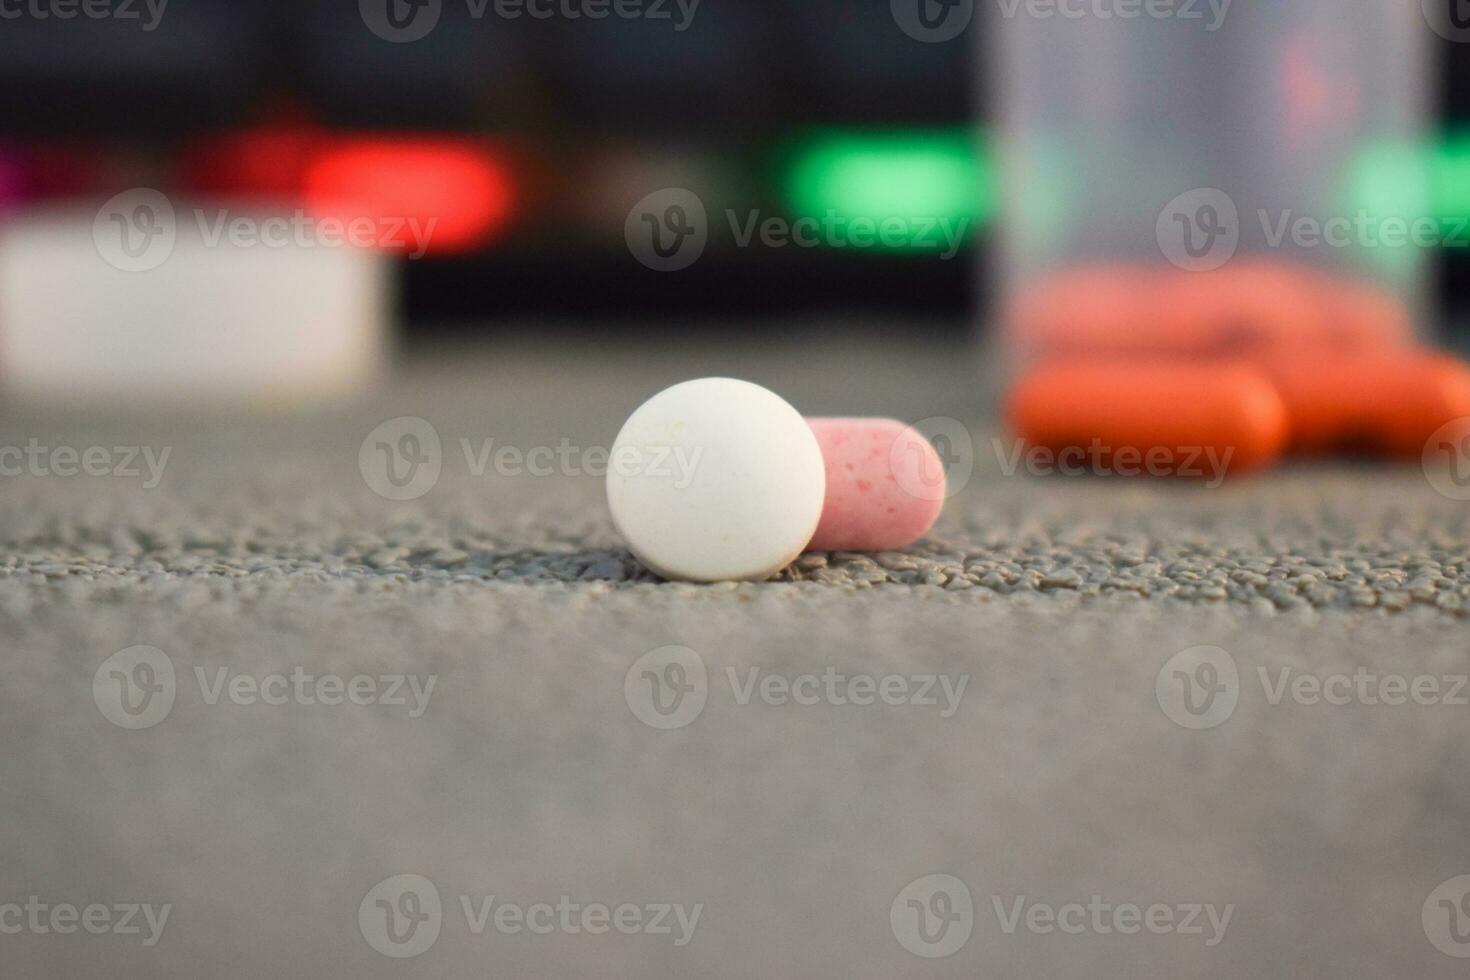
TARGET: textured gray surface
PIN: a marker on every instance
(1058, 776)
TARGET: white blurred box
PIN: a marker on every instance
(142, 300)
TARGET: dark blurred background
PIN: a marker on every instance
(574, 119)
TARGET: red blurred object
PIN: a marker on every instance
(1317, 104)
(14, 180)
(263, 161)
(76, 169)
(460, 193)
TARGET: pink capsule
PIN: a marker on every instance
(885, 485)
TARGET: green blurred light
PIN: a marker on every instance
(1391, 179)
(1388, 179)
(927, 189)
(1449, 177)
(1410, 180)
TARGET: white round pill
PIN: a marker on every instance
(715, 480)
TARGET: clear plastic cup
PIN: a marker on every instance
(1190, 173)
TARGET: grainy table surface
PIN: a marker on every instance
(1056, 774)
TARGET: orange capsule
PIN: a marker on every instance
(1243, 308)
(1254, 309)
(1247, 309)
(1158, 417)
(1090, 309)
(1387, 402)
(1363, 317)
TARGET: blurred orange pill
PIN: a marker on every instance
(1387, 402)
(1244, 307)
(1363, 317)
(1247, 309)
(1091, 309)
(1158, 417)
